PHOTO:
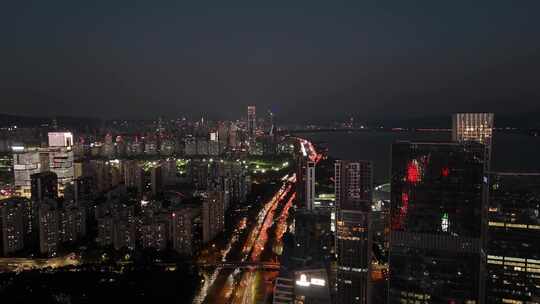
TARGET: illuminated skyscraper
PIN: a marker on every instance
(513, 255)
(25, 163)
(251, 120)
(60, 139)
(61, 158)
(436, 223)
(353, 189)
(474, 127)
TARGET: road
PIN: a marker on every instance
(261, 241)
(244, 285)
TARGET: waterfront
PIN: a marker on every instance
(511, 152)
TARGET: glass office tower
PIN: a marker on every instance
(436, 219)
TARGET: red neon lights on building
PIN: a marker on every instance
(404, 203)
(413, 172)
(398, 220)
(445, 171)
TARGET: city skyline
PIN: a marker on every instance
(306, 152)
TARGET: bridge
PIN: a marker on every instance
(242, 265)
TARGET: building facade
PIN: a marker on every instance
(213, 216)
(513, 255)
(353, 190)
(310, 185)
(251, 121)
(436, 209)
(44, 186)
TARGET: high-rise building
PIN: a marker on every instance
(154, 235)
(310, 185)
(213, 216)
(123, 233)
(474, 127)
(313, 237)
(12, 226)
(168, 171)
(513, 255)
(301, 180)
(60, 139)
(116, 225)
(134, 176)
(44, 186)
(108, 149)
(151, 146)
(353, 190)
(167, 147)
(283, 290)
(72, 224)
(156, 180)
(213, 147)
(49, 229)
(25, 163)
(303, 286)
(251, 121)
(79, 192)
(436, 209)
(311, 286)
(136, 147)
(61, 158)
(61, 163)
(105, 227)
(185, 230)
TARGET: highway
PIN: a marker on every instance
(243, 284)
(261, 244)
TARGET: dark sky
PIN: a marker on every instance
(316, 60)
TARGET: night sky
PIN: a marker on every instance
(306, 60)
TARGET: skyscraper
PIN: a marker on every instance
(251, 121)
(25, 163)
(185, 230)
(353, 189)
(310, 185)
(301, 180)
(134, 176)
(474, 127)
(513, 255)
(436, 223)
(49, 232)
(213, 216)
(44, 186)
(12, 222)
(156, 180)
(61, 158)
